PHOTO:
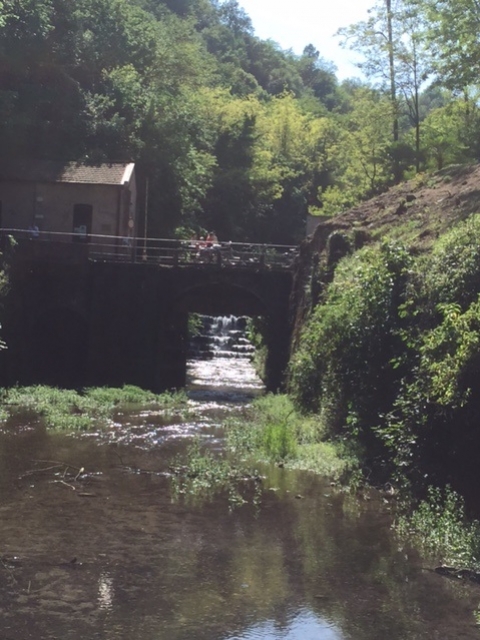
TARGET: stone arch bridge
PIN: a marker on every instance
(110, 313)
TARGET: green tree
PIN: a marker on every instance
(413, 65)
(449, 131)
(274, 70)
(365, 140)
(318, 76)
(375, 40)
(293, 151)
(453, 39)
(233, 204)
(392, 42)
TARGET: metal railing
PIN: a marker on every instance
(160, 251)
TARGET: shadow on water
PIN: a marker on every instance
(106, 553)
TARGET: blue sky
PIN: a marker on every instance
(296, 23)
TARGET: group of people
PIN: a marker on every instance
(205, 246)
(204, 241)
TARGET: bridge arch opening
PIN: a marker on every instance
(220, 299)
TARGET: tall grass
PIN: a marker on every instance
(275, 431)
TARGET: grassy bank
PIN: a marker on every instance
(69, 410)
(274, 431)
(437, 526)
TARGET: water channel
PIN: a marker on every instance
(121, 558)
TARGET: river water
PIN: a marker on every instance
(111, 554)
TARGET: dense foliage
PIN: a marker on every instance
(231, 131)
(440, 528)
(392, 355)
(212, 115)
(276, 432)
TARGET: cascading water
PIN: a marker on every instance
(221, 337)
(220, 360)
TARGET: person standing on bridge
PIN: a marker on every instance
(34, 231)
(212, 239)
(213, 246)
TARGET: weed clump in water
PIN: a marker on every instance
(69, 410)
(439, 527)
(198, 475)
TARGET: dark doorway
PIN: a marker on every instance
(82, 222)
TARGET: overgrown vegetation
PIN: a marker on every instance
(271, 431)
(389, 361)
(440, 528)
(255, 331)
(275, 431)
(391, 355)
(198, 474)
(68, 410)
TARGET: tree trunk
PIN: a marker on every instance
(391, 60)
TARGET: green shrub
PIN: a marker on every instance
(274, 415)
(452, 272)
(439, 527)
(195, 324)
(279, 441)
(347, 360)
(255, 330)
(198, 475)
(277, 432)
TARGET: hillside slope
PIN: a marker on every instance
(417, 211)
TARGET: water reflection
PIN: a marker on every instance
(304, 625)
(105, 591)
(306, 563)
(151, 569)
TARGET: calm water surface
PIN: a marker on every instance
(117, 558)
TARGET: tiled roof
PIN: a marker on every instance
(69, 172)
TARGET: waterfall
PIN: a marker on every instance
(219, 364)
(221, 337)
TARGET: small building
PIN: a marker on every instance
(69, 198)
